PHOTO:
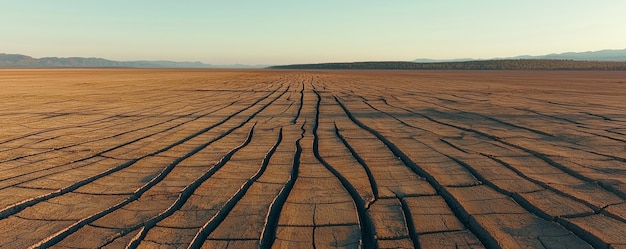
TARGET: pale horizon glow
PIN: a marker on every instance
(287, 32)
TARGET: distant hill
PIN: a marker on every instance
(23, 61)
(519, 64)
(601, 55)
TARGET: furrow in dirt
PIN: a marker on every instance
(12, 209)
(299, 106)
(164, 173)
(536, 154)
(186, 194)
(521, 198)
(134, 140)
(359, 159)
(104, 120)
(479, 231)
(81, 130)
(367, 227)
(245, 222)
(595, 206)
(143, 189)
(100, 153)
(268, 235)
(215, 221)
(136, 195)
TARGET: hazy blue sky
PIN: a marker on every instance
(282, 31)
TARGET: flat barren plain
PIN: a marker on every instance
(120, 158)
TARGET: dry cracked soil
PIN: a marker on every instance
(129, 158)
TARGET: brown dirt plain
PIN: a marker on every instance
(120, 158)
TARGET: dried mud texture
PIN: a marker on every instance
(312, 159)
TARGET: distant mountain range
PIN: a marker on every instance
(515, 64)
(608, 60)
(601, 55)
(23, 61)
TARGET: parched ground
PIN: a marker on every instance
(312, 159)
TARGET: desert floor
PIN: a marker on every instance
(312, 159)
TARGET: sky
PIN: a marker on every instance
(271, 32)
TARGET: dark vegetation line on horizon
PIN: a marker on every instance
(517, 64)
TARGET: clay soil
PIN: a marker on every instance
(120, 158)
